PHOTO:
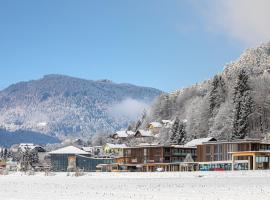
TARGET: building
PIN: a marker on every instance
(72, 158)
(11, 165)
(167, 123)
(154, 157)
(122, 135)
(155, 127)
(41, 162)
(247, 154)
(143, 134)
(89, 150)
(113, 149)
(196, 142)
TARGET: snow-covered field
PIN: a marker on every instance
(122, 186)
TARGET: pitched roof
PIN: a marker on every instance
(195, 142)
(69, 150)
(144, 133)
(124, 134)
(130, 133)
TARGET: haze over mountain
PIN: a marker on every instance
(192, 104)
(64, 106)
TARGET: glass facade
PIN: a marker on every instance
(215, 167)
(90, 164)
(60, 162)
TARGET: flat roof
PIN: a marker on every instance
(237, 141)
(222, 162)
(162, 146)
(243, 152)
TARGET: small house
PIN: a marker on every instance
(123, 135)
(143, 134)
(155, 127)
(116, 149)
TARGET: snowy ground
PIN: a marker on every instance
(122, 186)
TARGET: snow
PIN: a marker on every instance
(42, 124)
(116, 146)
(122, 134)
(69, 150)
(144, 133)
(195, 142)
(248, 185)
(88, 149)
(156, 124)
(31, 146)
(130, 133)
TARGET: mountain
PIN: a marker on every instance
(8, 138)
(194, 104)
(63, 106)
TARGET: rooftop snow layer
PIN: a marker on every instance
(195, 142)
(69, 150)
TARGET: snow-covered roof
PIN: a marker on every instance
(156, 124)
(31, 146)
(88, 149)
(69, 150)
(116, 146)
(167, 122)
(124, 134)
(130, 133)
(23, 146)
(144, 133)
(195, 142)
(148, 145)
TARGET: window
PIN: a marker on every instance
(216, 148)
(145, 152)
(208, 149)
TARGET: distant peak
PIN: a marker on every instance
(53, 76)
(105, 81)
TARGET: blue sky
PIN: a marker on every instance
(156, 43)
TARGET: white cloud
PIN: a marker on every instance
(244, 20)
(130, 108)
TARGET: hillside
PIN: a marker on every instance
(192, 104)
(8, 138)
(63, 106)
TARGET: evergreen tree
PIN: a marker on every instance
(217, 94)
(178, 132)
(138, 125)
(5, 155)
(34, 157)
(2, 154)
(165, 109)
(242, 106)
(25, 158)
(174, 130)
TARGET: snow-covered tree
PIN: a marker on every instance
(28, 158)
(217, 94)
(178, 132)
(242, 106)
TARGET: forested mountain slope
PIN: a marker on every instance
(235, 101)
(62, 106)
